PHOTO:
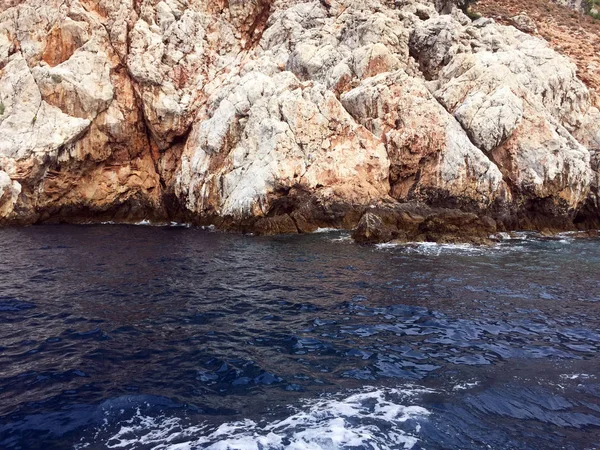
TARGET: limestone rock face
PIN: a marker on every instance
(279, 116)
(71, 130)
(430, 154)
(9, 192)
(264, 134)
(30, 126)
(505, 96)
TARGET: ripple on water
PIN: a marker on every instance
(228, 333)
(9, 304)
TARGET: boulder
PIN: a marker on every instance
(372, 230)
(524, 23)
(418, 223)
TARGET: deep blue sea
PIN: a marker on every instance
(139, 337)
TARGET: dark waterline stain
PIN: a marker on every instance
(144, 337)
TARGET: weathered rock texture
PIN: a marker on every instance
(277, 116)
(567, 32)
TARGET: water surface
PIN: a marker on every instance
(173, 338)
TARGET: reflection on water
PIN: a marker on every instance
(141, 337)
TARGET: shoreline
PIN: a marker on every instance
(376, 225)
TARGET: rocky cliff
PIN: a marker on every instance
(403, 119)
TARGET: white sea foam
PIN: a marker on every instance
(465, 386)
(180, 224)
(148, 223)
(575, 376)
(433, 248)
(387, 245)
(575, 233)
(325, 230)
(370, 418)
(504, 236)
(344, 237)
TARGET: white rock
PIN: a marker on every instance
(29, 125)
(259, 144)
(490, 119)
(9, 193)
(428, 150)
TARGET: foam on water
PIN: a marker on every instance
(433, 248)
(370, 418)
(222, 336)
(325, 230)
(339, 237)
(465, 386)
(387, 245)
(575, 376)
(148, 223)
(513, 243)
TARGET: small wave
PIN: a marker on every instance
(575, 376)
(180, 224)
(577, 233)
(520, 236)
(343, 237)
(433, 248)
(371, 418)
(387, 245)
(148, 223)
(503, 236)
(325, 230)
(465, 386)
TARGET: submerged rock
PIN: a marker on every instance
(371, 229)
(283, 116)
(418, 223)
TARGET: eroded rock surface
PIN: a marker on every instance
(281, 116)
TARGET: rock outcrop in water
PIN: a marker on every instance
(277, 116)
